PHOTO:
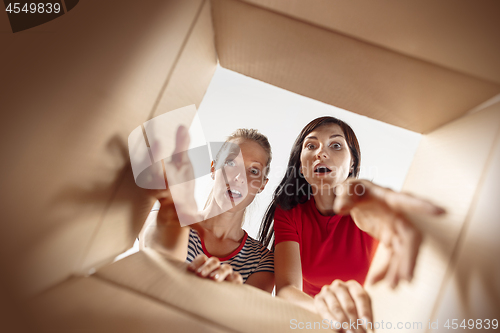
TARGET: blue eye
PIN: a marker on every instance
(230, 163)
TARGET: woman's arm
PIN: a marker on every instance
(211, 268)
(381, 212)
(164, 231)
(340, 302)
(261, 280)
(288, 271)
(164, 234)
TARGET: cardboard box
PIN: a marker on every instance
(75, 87)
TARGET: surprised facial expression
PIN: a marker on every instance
(325, 157)
(241, 177)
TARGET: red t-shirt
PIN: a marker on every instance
(331, 247)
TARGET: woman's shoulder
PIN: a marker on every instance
(194, 236)
(293, 211)
(255, 246)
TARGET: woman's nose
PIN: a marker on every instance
(239, 178)
(321, 153)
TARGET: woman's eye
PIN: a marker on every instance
(230, 163)
(336, 145)
(255, 171)
(310, 146)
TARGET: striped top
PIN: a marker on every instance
(250, 257)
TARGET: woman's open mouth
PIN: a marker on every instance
(235, 194)
(322, 170)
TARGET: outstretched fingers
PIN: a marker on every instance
(346, 305)
(212, 268)
(182, 141)
(235, 277)
(406, 203)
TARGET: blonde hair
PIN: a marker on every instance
(255, 136)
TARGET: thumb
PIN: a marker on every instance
(343, 202)
(343, 205)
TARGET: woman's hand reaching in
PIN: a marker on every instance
(211, 268)
(381, 212)
(346, 305)
(177, 203)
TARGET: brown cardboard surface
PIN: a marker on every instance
(240, 308)
(471, 289)
(195, 68)
(92, 305)
(72, 91)
(447, 169)
(187, 85)
(343, 71)
(456, 34)
(12, 318)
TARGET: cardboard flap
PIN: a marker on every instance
(93, 305)
(447, 169)
(238, 307)
(346, 72)
(74, 90)
(457, 34)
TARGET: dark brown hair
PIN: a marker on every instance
(296, 183)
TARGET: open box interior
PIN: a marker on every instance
(76, 87)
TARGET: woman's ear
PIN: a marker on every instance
(263, 185)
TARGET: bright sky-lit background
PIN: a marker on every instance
(235, 101)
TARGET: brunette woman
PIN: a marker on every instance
(326, 223)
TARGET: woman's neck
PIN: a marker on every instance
(324, 202)
(225, 225)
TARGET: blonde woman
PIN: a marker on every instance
(217, 247)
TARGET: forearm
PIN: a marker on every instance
(164, 234)
(168, 240)
(296, 296)
(261, 280)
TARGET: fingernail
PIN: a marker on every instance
(216, 276)
(349, 331)
(199, 270)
